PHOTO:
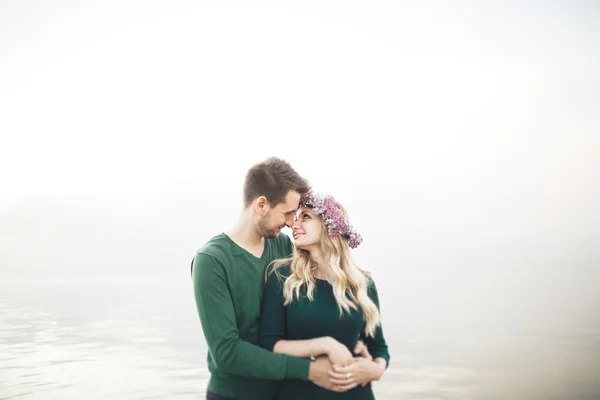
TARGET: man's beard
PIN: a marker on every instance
(265, 231)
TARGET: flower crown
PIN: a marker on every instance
(326, 207)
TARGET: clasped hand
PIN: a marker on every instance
(361, 372)
(349, 372)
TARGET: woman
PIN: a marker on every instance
(320, 303)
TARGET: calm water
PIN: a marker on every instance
(138, 337)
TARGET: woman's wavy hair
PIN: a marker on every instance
(350, 282)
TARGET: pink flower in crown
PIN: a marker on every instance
(332, 216)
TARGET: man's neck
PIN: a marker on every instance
(245, 235)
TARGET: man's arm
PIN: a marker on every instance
(231, 354)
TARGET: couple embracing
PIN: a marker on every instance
(282, 320)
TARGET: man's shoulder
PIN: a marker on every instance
(283, 238)
(216, 244)
(283, 244)
(218, 249)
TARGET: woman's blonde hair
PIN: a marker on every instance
(350, 283)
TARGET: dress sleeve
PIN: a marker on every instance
(273, 326)
(376, 345)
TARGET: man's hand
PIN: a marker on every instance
(321, 368)
(318, 372)
(361, 350)
(321, 373)
(362, 372)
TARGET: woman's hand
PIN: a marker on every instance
(338, 353)
(361, 372)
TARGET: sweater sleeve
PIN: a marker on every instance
(376, 345)
(230, 353)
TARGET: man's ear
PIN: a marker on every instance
(261, 205)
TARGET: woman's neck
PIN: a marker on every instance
(318, 258)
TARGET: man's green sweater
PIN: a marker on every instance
(228, 286)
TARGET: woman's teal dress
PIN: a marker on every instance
(303, 319)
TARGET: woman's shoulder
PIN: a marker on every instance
(278, 274)
(369, 279)
(371, 286)
(285, 270)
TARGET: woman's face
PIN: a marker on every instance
(307, 229)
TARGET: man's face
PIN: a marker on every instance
(279, 216)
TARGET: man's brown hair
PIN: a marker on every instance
(272, 178)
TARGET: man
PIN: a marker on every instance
(228, 274)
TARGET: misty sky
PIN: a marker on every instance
(464, 140)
